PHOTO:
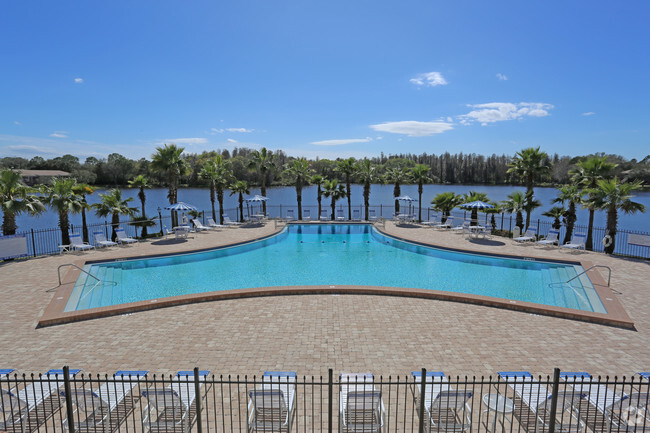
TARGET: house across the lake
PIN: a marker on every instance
(33, 177)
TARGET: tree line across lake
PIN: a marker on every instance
(594, 182)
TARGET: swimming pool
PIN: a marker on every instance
(332, 254)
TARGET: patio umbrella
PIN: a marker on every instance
(180, 206)
(255, 199)
(408, 199)
(474, 206)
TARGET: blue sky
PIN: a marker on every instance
(336, 78)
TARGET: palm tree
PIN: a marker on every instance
(613, 195)
(335, 191)
(530, 164)
(140, 181)
(557, 213)
(445, 202)
(81, 189)
(475, 196)
(299, 172)
(587, 173)
(16, 198)
(367, 175)
(240, 187)
(516, 203)
(318, 180)
(168, 162)
(569, 195)
(419, 175)
(347, 168)
(60, 195)
(219, 175)
(397, 176)
(113, 204)
(263, 161)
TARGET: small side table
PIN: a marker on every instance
(64, 248)
(500, 407)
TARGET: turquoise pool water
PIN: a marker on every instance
(332, 254)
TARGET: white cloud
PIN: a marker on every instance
(429, 79)
(216, 131)
(189, 141)
(17, 123)
(239, 130)
(59, 134)
(78, 80)
(501, 111)
(341, 141)
(230, 140)
(502, 77)
(588, 113)
(413, 128)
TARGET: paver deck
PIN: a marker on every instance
(311, 333)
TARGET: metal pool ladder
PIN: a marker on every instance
(609, 275)
(58, 270)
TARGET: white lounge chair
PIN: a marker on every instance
(167, 232)
(339, 215)
(449, 222)
(230, 223)
(172, 409)
(77, 244)
(533, 404)
(32, 406)
(198, 225)
(461, 228)
(432, 221)
(577, 242)
(101, 241)
(551, 238)
(290, 215)
(271, 406)
(356, 215)
(122, 238)
(446, 409)
(372, 215)
(529, 236)
(306, 214)
(214, 225)
(361, 407)
(107, 408)
(323, 215)
(5, 372)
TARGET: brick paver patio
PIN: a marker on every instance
(311, 333)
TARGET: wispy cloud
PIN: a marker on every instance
(342, 141)
(216, 131)
(239, 130)
(429, 79)
(222, 130)
(502, 77)
(59, 134)
(588, 113)
(231, 140)
(190, 141)
(501, 111)
(413, 128)
(78, 80)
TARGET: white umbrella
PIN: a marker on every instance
(255, 199)
(180, 206)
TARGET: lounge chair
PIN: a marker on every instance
(101, 241)
(172, 409)
(445, 409)
(485, 232)
(32, 406)
(198, 225)
(167, 232)
(431, 222)
(271, 406)
(464, 227)
(577, 242)
(339, 215)
(306, 214)
(230, 223)
(601, 400)
(323, 215)
(122, 238)
(372, 215)
(77, 244)
(356, 215)
(214, 225)
(361, 406)
(290, 215)
(449, 222)
(533, 404)
(529, 236)
(5, 372)
(550, 239)
(107, 408)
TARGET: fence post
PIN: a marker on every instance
(421, 402)
(330, 403)
(537, 227)
(68, 398)
(197, 391)
(556, 386)
(106, 228)
(33, 243)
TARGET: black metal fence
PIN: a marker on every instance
(198, 401)
(47, 241)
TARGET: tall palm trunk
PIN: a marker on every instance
(64, 225)
(115, 223)
(212, 199)
(589, 242)
(84, 225)
(612, 221)
(144, 232)
(241, 207)
(529, 193)
(9, 226)
(397, 191)
(263, 192)
(348, 186)
(366, 198)
(299, 200)
(333, 204)
(570, 222)
(220, 199)
(420, 190)
(319, 198)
